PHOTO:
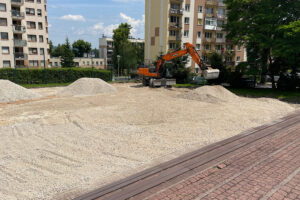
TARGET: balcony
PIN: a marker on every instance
(209, 40)
(17, 14)
(174, 25)
(175, 38)
(17, 2)
(20, 43)
(221, 3)
(176, 11)
(212, 2)
(21, 56)
(19, 29)
(221, 16)
(210, 27)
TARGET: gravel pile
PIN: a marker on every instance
(10, 92)
(210, 94)
(87, 87)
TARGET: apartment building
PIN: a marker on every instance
(97, 63)
(172, 23)
(24, 34)
(106, 47)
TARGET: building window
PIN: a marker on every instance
(31, 38)
(210, 21)
(30, 11)
(4, 36)
(41, 38)
(33, 63)
(186, 20)
(209, 10)
(229, 47)
(198, 34)
(97, 63)
(2, 7)
(6, 63)
(5, 50)
(172, 45)
(40, 25)
(31, 25)
(219, 47)
(42, 51)
(207, 47)
(238, 59)
(199, 22)
(208, 35)
(187, 7)
(39, 12)
(220, 35)
(221, 12)
(199, 9)
(101, 63)
(83, 62)
(38, 1)
(174, 19)
(172, 33)
(56, 64)
(220, 23)
(33, 51)
(42, 63)
(198, 46)
(175, 6)
(186, 33)
(3, 22)
(239, 47)
(30, 1)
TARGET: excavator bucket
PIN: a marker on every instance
(211, 74)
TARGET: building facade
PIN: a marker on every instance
(106, 47)
(172, 23)
(97, 63)
(24, 34)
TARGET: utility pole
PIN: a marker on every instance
(118, 56)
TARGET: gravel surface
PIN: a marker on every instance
(58, 148)
(87, 86)
(10, 92)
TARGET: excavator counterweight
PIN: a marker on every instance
(157, 78)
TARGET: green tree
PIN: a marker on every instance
(80, 47)
(51, 47)
(67, 58)
(258, 25)
(216, 61)
(95, 52)
(57, 51)
(122, 47)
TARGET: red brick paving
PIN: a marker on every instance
(249, 175)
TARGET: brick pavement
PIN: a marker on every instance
(270, 170)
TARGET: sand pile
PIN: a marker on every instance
(210, 94)
(10, 92)
(86, 87)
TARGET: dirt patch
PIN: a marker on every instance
(87, 86)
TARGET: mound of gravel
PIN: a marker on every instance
(87, 87)
(210, 94)
(10, 92)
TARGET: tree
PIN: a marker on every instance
(57, 51)
(51, 47)
(122, 47)
(258, 25)
(67, 55)
(96, 53)
(80, 47)
(216, 61)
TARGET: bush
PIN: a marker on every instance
(182, 75)
(57, 75)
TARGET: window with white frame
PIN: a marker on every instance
(198, 34)
(4, 36)
(33, 63)
(187, 7)
(199, 22)
(3, 22)
(239, 47)
(238, 59)
(42, 51)
(186, 33)
(186, 20)
(198, 46)
(33, 51)
(199, 9)
(220, 35)
(207, 47)
(209, 10)
(211, 21)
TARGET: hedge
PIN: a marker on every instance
(54, 75)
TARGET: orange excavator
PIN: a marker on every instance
(156, 77)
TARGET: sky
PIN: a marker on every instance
(89, 19)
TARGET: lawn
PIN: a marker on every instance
(289, 96)
(44, 85)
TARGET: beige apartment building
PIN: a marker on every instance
(172, 23)
(24, 34)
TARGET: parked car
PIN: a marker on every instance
(288, 81)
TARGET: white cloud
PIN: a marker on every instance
(136, 24)
(73, 18)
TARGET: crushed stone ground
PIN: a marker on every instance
(87, 86)
(59, 148)
(11, 92)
